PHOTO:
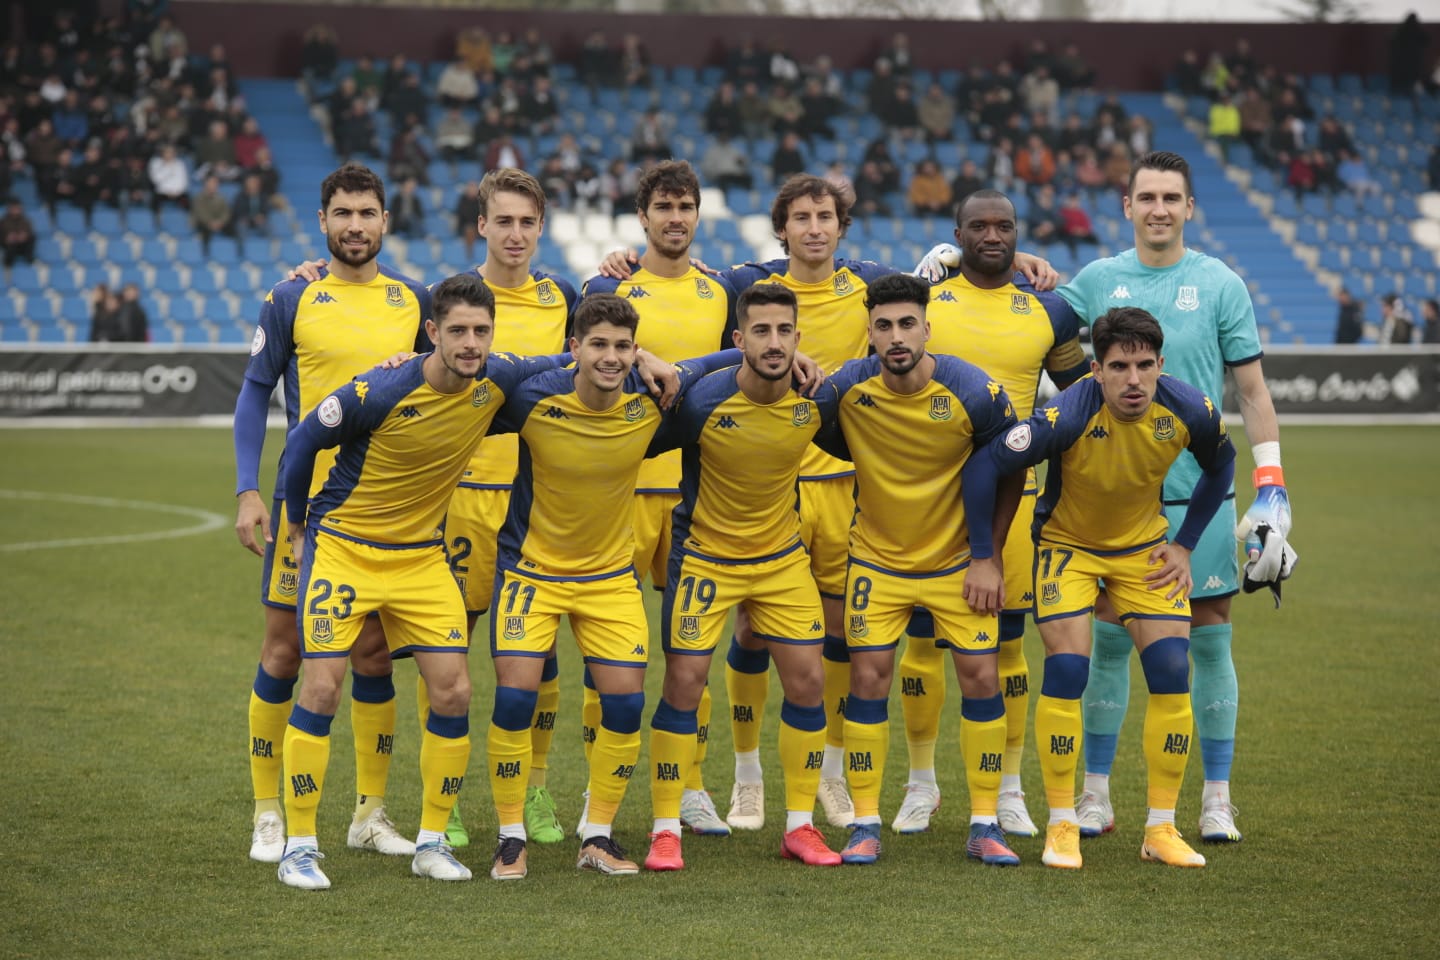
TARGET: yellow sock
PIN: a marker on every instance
(837, 689)
(802, 750)
(922, 697)
(508, 754)
(442, 773)
(267, 748)
(695, 779)
(747, 692)
(589, 719)
(867, 743)
(1166, 740)
(542, 731)
(612, 761)
(307, 755)
(671, 756)
(982, 744)
(1015, 685)
(374, 726)
(1057, 735)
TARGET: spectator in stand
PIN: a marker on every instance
(542, 57)
(1188, 75)
(17, 234)
(538, 107)
(878, 153)
(1301, 174)
(1256, 119)
(1043, 222)
(754, 112)
(369, 80)
(467, 217)
(12, 147)
(634, 61)
(342, 100)
(1077, 226)
(620, 183)
(1117, 167)
(904, 119)
(454, 138)
(590, 191)
(210, 213)
(248, 143)
(472, 47)
(1350, 321)
(132, 183)
(503, 152)
(823, 69)
(489, 126)
(570, 154)
(725, 165)
(835, 174)
(1353, 172)
(1072, 70)
(1432, 167)
(557, 184)
(215, 154)
(1332, 138)
(788, 158)
(781, 66)
(880, 94)
(872, 198)
(72, 122)
(1215, 78)
(1138, 137)
(165, 39)
(651, 136)
(930, 194)
(722, 113)
(1040, 93)
(269, 176)
(407, 210)
(251, 211)
(1396, 324)
(817, 109)
(1035, 164)
(105, 316)
(408, 105)
(599, 65)
(355, 133)
(1105, 131)
(899, 56)
(504, 50)
(169, 179)
(1430, 314)
(1072, 133)
(319, 55)
(408, 157)
(787, 115)
(394, 78)
(95, 183)
(936, 113)
(967, 181)
(1407, 57)
(746, 63)
(457, 86)
(1000, 165)
(1088, 172)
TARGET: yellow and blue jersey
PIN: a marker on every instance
(1011, 332)
(532, 319)
(315, 336)
(834, 325)
(680, 317)
(909, 451)
(741, 463)
(402, 447)
(1103, 488)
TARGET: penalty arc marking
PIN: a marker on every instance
(205, 520)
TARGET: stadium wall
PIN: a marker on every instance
(1126, 56)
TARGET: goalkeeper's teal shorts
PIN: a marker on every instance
(1214, 566)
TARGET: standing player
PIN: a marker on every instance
(1209, 324)
(373, 543)
(988, 315)
(921, 536)
(1110, 440)
(686, 313)
(315, 335)
(743, 431)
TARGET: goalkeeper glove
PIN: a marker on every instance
(940, 260)
(1265, 529)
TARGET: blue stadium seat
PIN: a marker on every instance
(107, 220)
(70, 220)
(39, 309)
(167, 279)
(54, 333)
(63, 280)
(202, 279)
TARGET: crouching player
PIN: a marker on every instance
(1110, 440)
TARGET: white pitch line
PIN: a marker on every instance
(208, 521)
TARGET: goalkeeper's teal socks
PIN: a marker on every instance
(1216, 697)
(1107, 694)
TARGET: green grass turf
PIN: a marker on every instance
(126, 820)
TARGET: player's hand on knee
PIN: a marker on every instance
(937, 262)
(1038, 271)
(1174, 571)
(251, 518)
(616, 264)
(309, 270)
(808, 374)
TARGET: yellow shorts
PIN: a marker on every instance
(280, 574)
(607, 616)
(778, 593)
(878, 604)
(1018, 559)
(827, 508)
(342, 581)
(1067, 582)
(472, 527)
(652, 535)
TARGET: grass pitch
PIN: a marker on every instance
(127, 666)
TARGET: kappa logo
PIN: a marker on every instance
(395, 294)
(864, 401)
(1020, 303)
(816, 626)
(362, 390)
(1052, 414)
(634, 410)
(1187, 299)
(1098, 433)
(323, 297)
(982, 637)
(455, 634)
(726, 422)
(639, 650)
(636, 293)
(1120, 293)
(1214, 583)
(555, 413)
(946, 297)
(800, 415)
(702, 289)
(1165, 428)
(409, 412)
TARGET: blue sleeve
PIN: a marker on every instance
(273, 346)
(745, 275)
(732, 322)
(868, 270)
(252, 408)
(301, 446)
(696, 367)
(339, 417)
(978, 480)
(1210, 491)
(1048, 432)
(599, 284)
(572, 300)
(427, 310)
(831, 438)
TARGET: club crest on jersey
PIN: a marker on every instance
(395, 294)
(689, 628)
(702, 289)
(1020, 303)
(843, 286)
(940, 408)
(634, 410)
(858, 627)
(1050, 594)
(1188, 299)
(1164, 428)
(514, 628)
(329, 412)
(545, 292)
(257, 342)
(801, 414)
(321, 630)
(289, 583)
(481, 396)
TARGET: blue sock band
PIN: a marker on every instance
(620, 712)
(588, 680)
(742, 660)
(1100, 752)
(273, 689)
(1107, 691)
(1215, 695)
(1167, 665)
(451, 728)
(867, 711)
(372, 689)
(1012, 626)
(551, 670)
(315, 724)
(1066, 675)
(667, 718)
(982, 709)
(835, 649)
(922, 625)
(802, 718)
(514, 708)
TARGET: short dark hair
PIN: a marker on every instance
(510, 180)
(806, 185)
(897, 288)
(1130, 327)
(984, 193)
(675, 177)
(1164, 161)
(463, 288)
(765, 295)
(601, 308)
(352, 178)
